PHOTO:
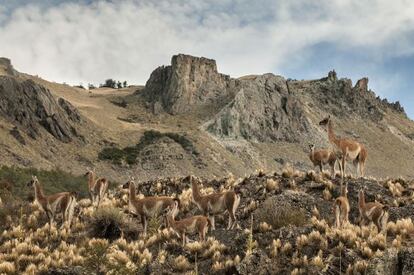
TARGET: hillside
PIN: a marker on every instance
(189, 118)
(285, 227)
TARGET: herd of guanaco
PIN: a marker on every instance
(219, 203)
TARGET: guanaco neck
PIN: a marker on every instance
(361, 199)
(91, 180)
(312, 152)
(195, 191)
(331, 135)
(39, 195)
(132, 194)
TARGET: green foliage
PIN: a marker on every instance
(129, 154)
(13, 182)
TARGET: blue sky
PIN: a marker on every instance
(88, 41)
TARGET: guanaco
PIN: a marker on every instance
(97, 187)
(341, 207)
(64, 203)
(350, 149)
(372, 212)
(322, 157)
(146, 207)
(216, 203)
(192, 224)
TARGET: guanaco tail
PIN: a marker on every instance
(147, 207)
(351, 150)
(216, 203)
(97, 187)
(64, 202)
(341, 207)
(189, 225)
(372, 212)
(322, 157)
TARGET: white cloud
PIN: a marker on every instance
(77, 42)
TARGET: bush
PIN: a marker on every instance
(278, 213)
(106, 223)
(129, 154)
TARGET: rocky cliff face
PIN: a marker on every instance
(31, 107)
(188, 82)
(263, 110)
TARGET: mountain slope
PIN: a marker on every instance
(232, 125)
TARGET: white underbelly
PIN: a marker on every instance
(353, 154)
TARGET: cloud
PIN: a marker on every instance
(89, 41)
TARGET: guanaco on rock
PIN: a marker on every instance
(216, 203)
(147, 207)
(322, 157)
(351, 150)
(372, 212)
(188, 225)
(341, 207)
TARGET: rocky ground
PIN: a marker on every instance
(285, 227)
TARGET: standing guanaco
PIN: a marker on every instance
(192, 224)
(97, 187)
(64, 202)
(323, 156)
(146, 207)
(372, 212)
(216, 203)
(351, 149)
(341, 207)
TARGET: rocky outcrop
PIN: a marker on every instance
(6, 67)
(263, 110)
(31, 106)
(188, 82)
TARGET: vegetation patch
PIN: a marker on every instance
(129, 154)
(13, 182)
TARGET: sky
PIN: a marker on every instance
(87, 41)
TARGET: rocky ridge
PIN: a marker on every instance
(31, 107)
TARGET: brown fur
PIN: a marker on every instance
(97, 187)
(372, 212)
(216, 203)
(63, 202)
(342, 208)
(350, 149)
(192, 224)
(148, 206)
(322, 157)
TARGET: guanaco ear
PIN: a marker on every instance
(132, 178)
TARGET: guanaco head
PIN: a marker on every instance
(172, 210)
(33, 181)
(325, 121)
(128, 183)
(312, 147)
(89, 172)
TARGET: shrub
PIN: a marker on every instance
(107, 223)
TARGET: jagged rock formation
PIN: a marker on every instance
(188, 82)
(6, 67)
(30, 106)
